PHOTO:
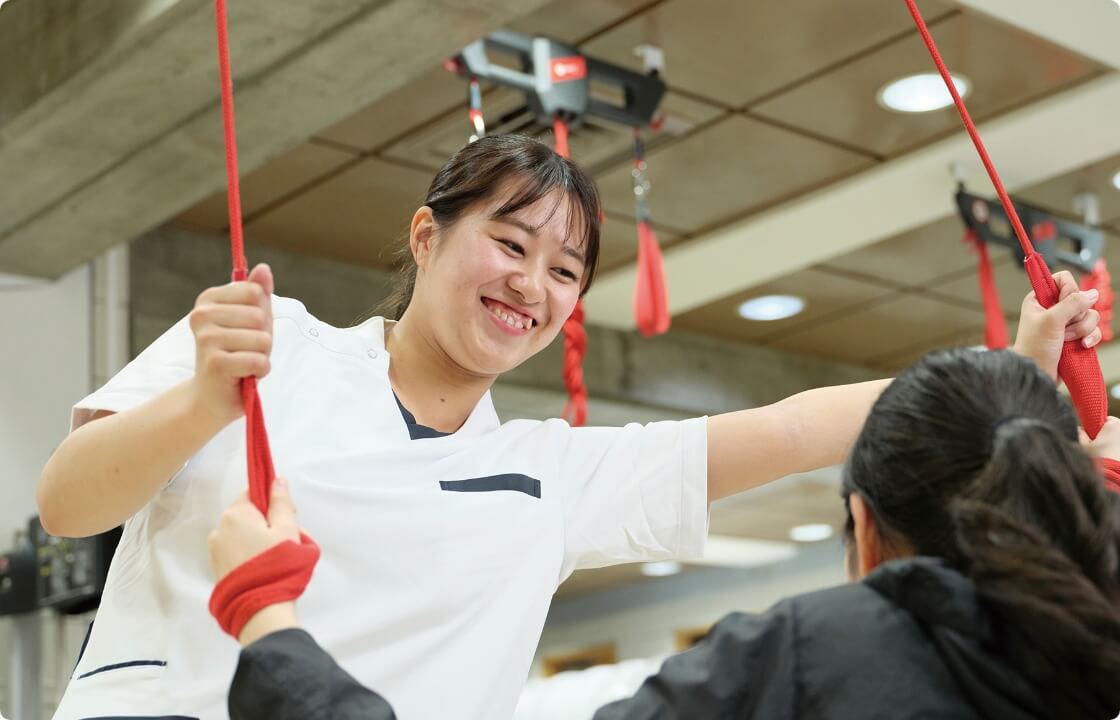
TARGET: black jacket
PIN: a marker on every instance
(910, 641)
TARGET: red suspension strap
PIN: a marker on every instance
(651, 300)
(474, 113)
(575, 336)
(1078, 366)
(282, 572)
(995, 324)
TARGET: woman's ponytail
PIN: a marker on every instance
(1039, 536)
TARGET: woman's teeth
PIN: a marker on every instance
(509, 318)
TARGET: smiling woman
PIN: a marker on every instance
(443, 532)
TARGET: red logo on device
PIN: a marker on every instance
(566, 69)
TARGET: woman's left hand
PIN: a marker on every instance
(1043, 331)
(244, 532)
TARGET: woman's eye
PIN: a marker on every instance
(512, 246)
(566, 273)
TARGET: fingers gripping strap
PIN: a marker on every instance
(1078, 367)
(1101, 281)
(1110, 469)
(279, 574)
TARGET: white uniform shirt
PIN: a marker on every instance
(440, 553)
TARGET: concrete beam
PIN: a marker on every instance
(1078, 127)
(135, 136)
(1087, 27)
(42, 44)
(629, 377)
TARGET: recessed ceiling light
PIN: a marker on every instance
(920, 93)
(1116, 177)
(771, 307)
(814, 532)
(1115, 391)
(661, 569)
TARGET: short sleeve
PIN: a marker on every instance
(165, 363)
(635, 493)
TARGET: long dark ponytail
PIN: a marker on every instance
(974, 458)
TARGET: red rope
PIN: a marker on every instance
(237, 242)
(259, 457)
(575, 336)
(1078, 366)
(282, 572)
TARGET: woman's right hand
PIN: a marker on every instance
(232, 327)
(1107, 442)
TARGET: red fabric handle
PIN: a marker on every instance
(1078, 367)
(279, 574)
(651, 301)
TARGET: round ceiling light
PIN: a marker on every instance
(661, 569)
(814, 532)
(1116, 177)
(771, 307)
(1115, 391)
(920, 93)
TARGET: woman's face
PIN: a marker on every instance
(494, 291)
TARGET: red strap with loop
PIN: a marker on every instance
(651, 299)
(995, 324)
(1078, 366)
(575, 336)
(281, 573)
(651, 303)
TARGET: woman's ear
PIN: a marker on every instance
(421, 235)
(869, 541)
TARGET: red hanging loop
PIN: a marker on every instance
(575, 336)
(1078, 366)
(651, 298)
(995, 324)
(1101, 281)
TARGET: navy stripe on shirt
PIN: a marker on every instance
(492, 483)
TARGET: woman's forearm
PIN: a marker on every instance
(810, 430)
(111, 467)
